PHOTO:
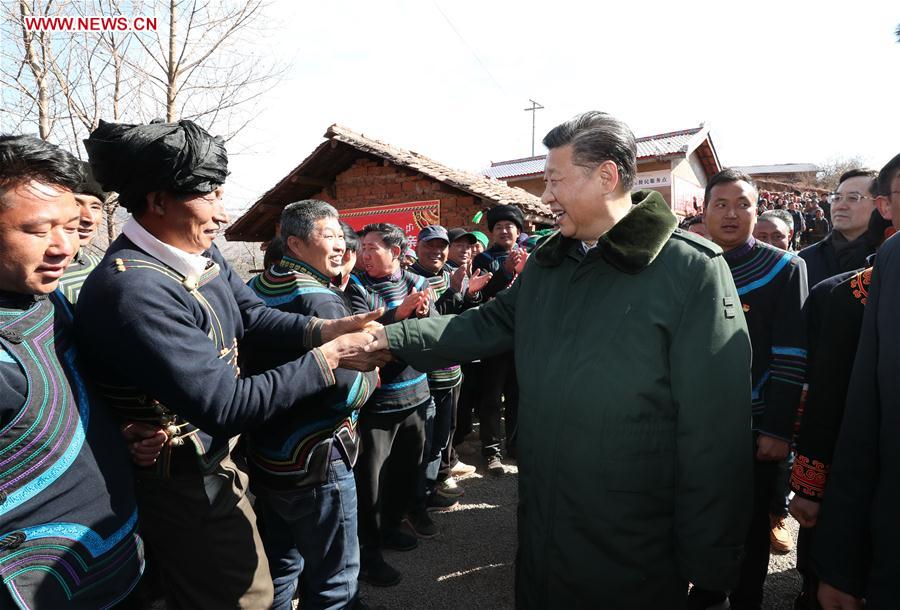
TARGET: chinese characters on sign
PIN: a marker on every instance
(410, 217)
(645, 180)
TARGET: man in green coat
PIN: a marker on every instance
(633, 362)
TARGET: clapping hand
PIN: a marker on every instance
(515, 262)
(478, 281)
(457, 278)
(412, 303)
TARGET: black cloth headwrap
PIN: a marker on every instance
(89, 184)
(505, 212)
(134, 160)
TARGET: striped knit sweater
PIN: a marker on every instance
(293, 449)
(77, 271)
(772, 287)
(448, 302)
(402, 387)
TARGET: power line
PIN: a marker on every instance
(468, 46)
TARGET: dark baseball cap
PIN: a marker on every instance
(434, 232)
(459, 233)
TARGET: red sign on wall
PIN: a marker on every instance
(410, 217)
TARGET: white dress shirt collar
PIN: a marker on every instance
(191, 266)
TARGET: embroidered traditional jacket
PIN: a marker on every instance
(68, 519)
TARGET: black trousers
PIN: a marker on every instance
(387, 471)
(469, 400)
(749, 593)
(446, 403)
(808, 599)
(499, 382)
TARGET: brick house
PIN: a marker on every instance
(354, 172)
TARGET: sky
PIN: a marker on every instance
(778, 81)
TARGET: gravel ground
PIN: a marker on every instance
(470, 563)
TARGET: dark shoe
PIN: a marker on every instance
(421, 524)
(495, 466)
(398, 540)
(702, 599)
(438, 502)
(377, 572)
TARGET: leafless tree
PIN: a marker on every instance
(30, 95)
(830, 171)
(203, 61)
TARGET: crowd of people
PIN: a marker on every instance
(668, 396)
(803, 218)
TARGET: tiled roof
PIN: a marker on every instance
(516, 167)
(783, 168)
(661, 145)
(487, 188)
(338, 152)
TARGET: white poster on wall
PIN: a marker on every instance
(649, 180)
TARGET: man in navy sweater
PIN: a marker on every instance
(159, 322)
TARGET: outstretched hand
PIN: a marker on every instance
(331, 329)
(379, 341)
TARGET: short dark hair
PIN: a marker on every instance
(26, 158)
(690, 221)
(351, 239)
(886, 176)
(298, 219)
(782, 215)
(860, 173)
(729, 174)
(597, 137)
(274, 252)
(391, 235)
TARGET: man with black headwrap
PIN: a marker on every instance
(159, 321)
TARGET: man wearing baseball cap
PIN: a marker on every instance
(455, 292)
(461, 243)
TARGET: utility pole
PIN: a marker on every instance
(533, 110)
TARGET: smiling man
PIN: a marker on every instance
(68, 518)
(301, 462)
(159, 321)
(633, 363)
(90, 197)
(772, 287)
(848, 245)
